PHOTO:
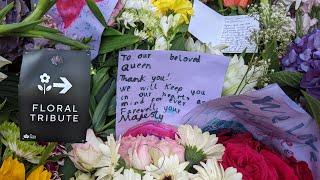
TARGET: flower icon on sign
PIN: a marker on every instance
(44, 78)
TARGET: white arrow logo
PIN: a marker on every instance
(66, 85)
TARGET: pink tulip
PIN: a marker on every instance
(160, 130)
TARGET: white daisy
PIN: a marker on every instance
(168, 168)
(109, 149)
(192, 137)
(212, 170)
(129, 19)
(129, 174)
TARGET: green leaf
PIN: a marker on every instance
(5, 10)
(112, 107)
(111, 32)
(271, 53)
(286, 78)
(99, 79)
(17, 26)
(100, 113)
(96, 12)
(178, 43)
(42, 7)
(112, 43)
(68, 169)
(3, 103)
(47, 152)
(52, 36)
(313, 105)
(46, 29)
(93, 105)
(106, 133)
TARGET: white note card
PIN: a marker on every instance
(211, 27)
(163, 86)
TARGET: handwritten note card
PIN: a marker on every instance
(165, 85)
(271, 116)
(211, 27)
(77, 21)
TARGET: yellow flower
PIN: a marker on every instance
(40, 174)
(12, 169)
(183, 7)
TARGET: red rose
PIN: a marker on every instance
(284, 171)
(248, 161)
(301, 169)
(257, 162)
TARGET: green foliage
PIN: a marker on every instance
(178, 43)
(52, 36)
(111, 32)
(270, 53)
(194, 156)
(313, 106)
(113, 43)
(5, 10)
(30, 151)
(29, 26)
(96, 12)
(68, 169)
(16, 27)
(286, 78)
(100, 113)
(2, 104)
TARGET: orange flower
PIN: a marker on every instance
(40, 174)
(236, 3)
(12, 169)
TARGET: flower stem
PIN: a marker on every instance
(42, 7)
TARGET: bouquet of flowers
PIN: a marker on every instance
(287, 53)
(159, 151)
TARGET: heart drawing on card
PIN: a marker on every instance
(69, 10)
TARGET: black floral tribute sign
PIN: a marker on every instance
(54, 95)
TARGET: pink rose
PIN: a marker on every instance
(167, 147)
(135, 150)
(139, 152)
(88, 156)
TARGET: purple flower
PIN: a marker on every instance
(311, 82)
(304, 56)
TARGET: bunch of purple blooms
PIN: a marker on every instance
(304, 56)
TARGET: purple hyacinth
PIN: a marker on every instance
(304, 56)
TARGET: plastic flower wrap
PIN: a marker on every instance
(304, 56)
